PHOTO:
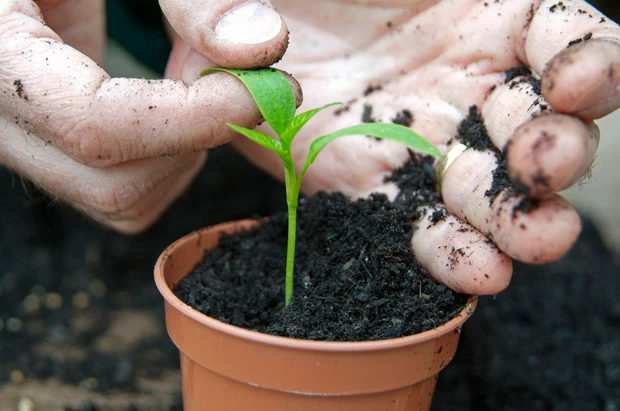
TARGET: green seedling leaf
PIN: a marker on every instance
(271, 91)
(263, 139)
(299, 121)
(388, 131)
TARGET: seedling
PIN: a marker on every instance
(274, 97)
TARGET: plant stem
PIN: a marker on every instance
(292, 196)
(290, 253)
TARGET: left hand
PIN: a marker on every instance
(103, 145)
(436, 59)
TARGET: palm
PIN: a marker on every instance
(413, 61)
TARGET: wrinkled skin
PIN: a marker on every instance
(434, 58)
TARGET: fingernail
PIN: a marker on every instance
(250, 23)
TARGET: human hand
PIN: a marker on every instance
(121, 150)
(436, 59)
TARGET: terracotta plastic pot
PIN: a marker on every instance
(227, 368)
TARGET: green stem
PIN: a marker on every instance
(292, 196)
(290, 253)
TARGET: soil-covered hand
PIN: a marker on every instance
(426, 63)
(104, 144)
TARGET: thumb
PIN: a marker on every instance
(230, 33)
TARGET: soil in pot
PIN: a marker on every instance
(356, 276)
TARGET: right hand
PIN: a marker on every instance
(119, 149)
(436, 59)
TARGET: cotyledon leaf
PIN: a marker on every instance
(271, 91)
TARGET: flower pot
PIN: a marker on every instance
(226, 368)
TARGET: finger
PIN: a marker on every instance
(64, 98)
(80, 24)
(459, 256)
(128, 197)
(546, 152)
(231, 33)
(532, 232)
(551, 153)
(582, 78)
(118, 120)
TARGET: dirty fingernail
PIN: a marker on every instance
(250, 23)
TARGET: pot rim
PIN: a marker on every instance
(288, 342)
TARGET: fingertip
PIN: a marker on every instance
(460, 257)
(542, 234)
(550, 153)
(235, 34)
(584, 79)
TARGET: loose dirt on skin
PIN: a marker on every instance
(473, 133)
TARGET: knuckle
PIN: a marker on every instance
(117, 201)
(116, 205)
(86, 144)
(87, 149)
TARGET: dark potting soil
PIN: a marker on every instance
(356, 276)
(548, 342)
